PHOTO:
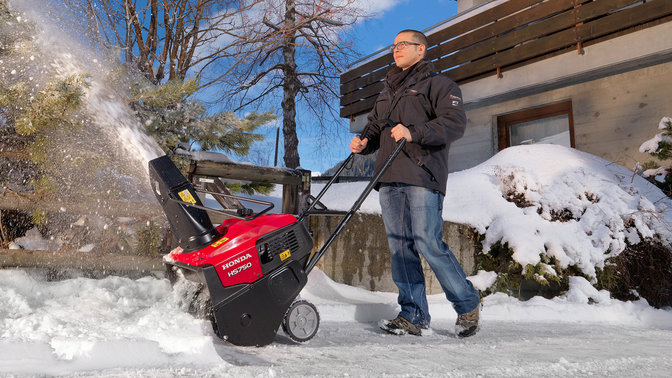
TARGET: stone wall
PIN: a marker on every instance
(360, 255)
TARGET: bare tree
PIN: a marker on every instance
(160, 37)
(289, 50)
(255, 52)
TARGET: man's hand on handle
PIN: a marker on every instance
(400, 131)
(358, 145)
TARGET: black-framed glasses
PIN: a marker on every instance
(403, 44)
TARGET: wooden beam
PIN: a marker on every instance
(497, 13)
(364, 81)
(22, 258)
(567, 38)
(371, 90)
(371, 66)
(511, 34)
(532, 32)
(500, 27)
(246, 172)
(358, 108)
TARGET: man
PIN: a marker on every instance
(426, 109)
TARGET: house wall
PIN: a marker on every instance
(620, 89)
(463, 5)
(612, 116)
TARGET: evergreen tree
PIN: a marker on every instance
(36, 110)
(177, 121)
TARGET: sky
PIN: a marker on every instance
(371, 35)
(124, 327)
(319, 153)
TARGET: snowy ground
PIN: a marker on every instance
(119, 327)
(138, 328)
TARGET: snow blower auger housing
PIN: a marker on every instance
(253, 265)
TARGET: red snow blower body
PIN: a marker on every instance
(252, 267)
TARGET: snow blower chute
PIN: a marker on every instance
(253, 266)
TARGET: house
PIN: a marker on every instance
(594, 75)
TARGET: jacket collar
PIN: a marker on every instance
(422, 70)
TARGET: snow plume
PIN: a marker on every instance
(63, 55)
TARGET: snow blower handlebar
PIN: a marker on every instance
(315, 201)
(310, 264)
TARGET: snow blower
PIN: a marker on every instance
(252, 267)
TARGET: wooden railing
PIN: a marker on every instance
(295, 182)
(510, 35)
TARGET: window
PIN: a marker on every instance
(551, 124)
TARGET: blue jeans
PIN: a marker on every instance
(413, 223)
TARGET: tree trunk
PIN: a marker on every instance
(290, 89)
(129, 33)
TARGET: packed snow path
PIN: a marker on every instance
(137, 328)
(500, 349)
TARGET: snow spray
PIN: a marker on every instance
(64, 55)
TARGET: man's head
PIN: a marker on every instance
(409, 48)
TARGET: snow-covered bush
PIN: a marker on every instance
(660, 147)
(548, 212)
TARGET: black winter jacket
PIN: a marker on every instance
(430, 105)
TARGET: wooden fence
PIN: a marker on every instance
(510, 35)
(295, 182)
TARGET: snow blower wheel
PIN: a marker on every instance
(301, 321)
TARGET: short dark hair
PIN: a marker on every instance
(417, 35)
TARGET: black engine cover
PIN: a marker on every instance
(250, 315)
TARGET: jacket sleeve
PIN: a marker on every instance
(450, 120)
(372, 132)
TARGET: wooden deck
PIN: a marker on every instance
(510, 35)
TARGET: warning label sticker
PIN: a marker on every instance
(186, 196)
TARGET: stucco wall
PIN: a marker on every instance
(612, 116)
(465, 5)
(620, 89)
(360, 256)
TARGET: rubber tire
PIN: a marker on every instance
(301, 321)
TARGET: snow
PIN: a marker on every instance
(138, 328)
(119, 326)
(33, 240)
(652, 145)
(655, 145)
(483, 279)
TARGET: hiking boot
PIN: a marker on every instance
(400, 326)
(467, 323)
